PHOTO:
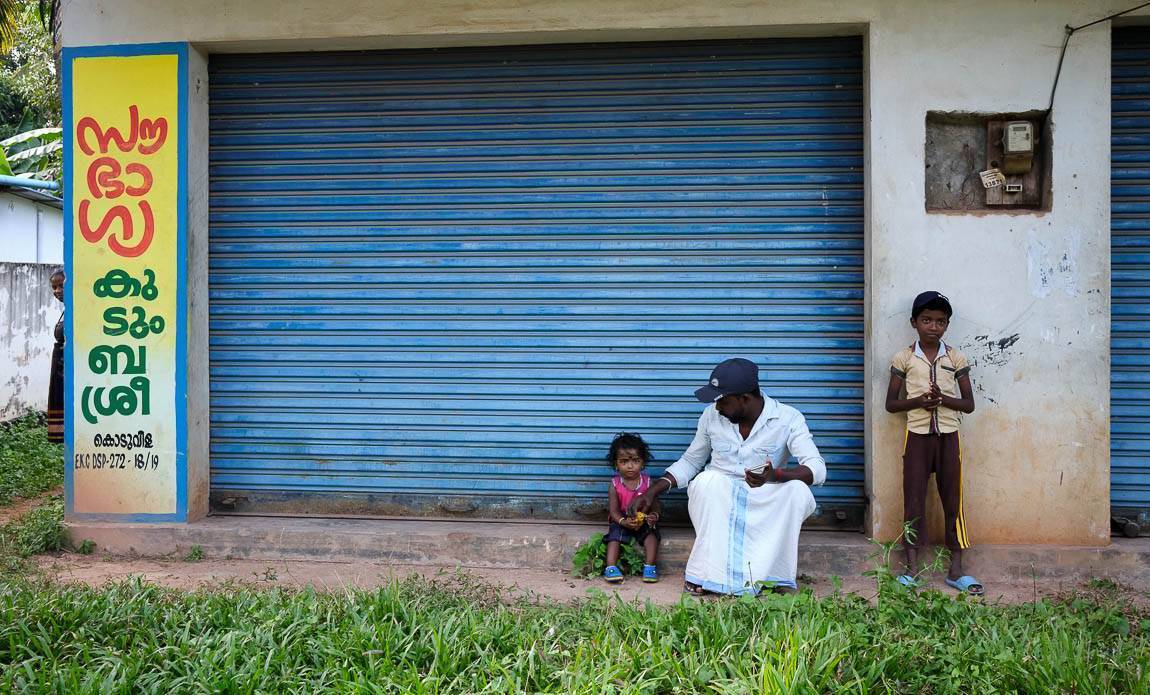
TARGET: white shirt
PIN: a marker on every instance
(779, 432)
(918, 351)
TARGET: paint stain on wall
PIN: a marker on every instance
(995, 352)
(1049, 271)
(28, 314)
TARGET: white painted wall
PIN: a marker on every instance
(28, 315)
(1037, 448)
(30, 232)
(1031, 290)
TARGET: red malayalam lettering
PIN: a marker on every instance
(127, 229)
(108, 177)
(148, 133)
(104, 178)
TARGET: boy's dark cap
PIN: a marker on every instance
(926, 298)
(735, 375)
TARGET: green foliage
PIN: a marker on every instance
(36, 154)
(455, 635)
(87, 547)
(29, 463)
(885, 576)
(13, 108)
(195, 554)
(29, 88)
(590, 559)
(29, 466)
(38, 531)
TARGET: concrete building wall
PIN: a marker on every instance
(1031, 290)
(30, 232)
(28, 315)
(198, 461)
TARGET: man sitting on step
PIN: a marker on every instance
(746, 505)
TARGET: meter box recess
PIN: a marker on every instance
(1012, 148)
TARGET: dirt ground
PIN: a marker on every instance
(68, 567)
(96, 570)
(20, 507)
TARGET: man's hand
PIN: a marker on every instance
(652, 519)
(645, 501)
(759, 479)
(629, 523)
(641, 503)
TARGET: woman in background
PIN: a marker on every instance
(56, 380)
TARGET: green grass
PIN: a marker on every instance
(39, 531)
(29, 464)
(455, 635)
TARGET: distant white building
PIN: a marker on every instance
(31, 226)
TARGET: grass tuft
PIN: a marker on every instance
(29, 464)
(41, 530)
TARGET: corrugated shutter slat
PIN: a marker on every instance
(458, 273)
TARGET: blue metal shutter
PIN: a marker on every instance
(441, 281)
(1130, 276)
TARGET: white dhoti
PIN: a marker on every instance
(744, 535)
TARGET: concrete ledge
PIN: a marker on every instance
(490, 544)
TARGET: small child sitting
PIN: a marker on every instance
(629, 455)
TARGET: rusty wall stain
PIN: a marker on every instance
(28, 314)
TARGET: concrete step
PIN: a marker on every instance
(537, 545)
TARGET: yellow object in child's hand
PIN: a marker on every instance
(638, 519)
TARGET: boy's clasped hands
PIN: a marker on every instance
(929, 400)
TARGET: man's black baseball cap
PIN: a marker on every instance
(926, 298)
(735, 375)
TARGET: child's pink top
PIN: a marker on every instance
(626, 494)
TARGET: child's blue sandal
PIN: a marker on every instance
(650, 574)
(612, 574)
(966, 584)
(907, 581)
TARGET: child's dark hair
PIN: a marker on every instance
(939, 304)
(628, 440)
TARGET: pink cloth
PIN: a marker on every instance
(626, 494)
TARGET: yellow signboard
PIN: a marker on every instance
(125, 336)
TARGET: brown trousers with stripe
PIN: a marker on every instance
(940, 454)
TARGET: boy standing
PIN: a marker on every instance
(937, 380)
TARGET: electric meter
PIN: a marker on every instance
(1019, 137)
(1018, 147)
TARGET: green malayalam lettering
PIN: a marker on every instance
(117, 284)
(119, 400)
(105, 359)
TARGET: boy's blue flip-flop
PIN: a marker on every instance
(966, 584)
(907, 581)
(612, 574)
(650, 574)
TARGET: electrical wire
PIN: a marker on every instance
(1066, 41)
(1107, 19)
